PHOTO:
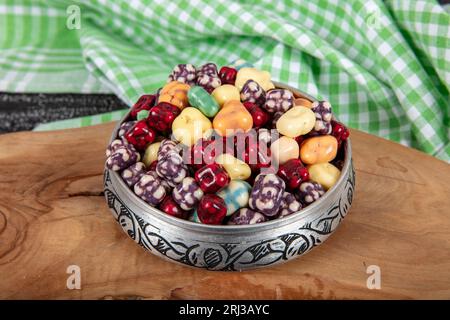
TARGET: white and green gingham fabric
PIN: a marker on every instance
(384, 66)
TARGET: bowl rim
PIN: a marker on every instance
(207, 228)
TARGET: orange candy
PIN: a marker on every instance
(233, 117)
(302, 102)
(175, 93)
(318, 149)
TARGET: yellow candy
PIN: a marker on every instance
(175, 93)
(296, 121)
(284, 149)
(303, 102)
(225, 93)
(324, 173)
(236, 169)
(233, 117)
(151, 154)
(190, 125)
(319, 149)
(261, 77)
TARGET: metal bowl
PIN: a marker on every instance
(231, 247)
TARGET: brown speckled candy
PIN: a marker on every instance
(166, 146)
(150, 189)
(133, 173)
(266, 194)
(171, 168)
(187, 193)
(278, 100)
(125, 127)
(309, 192)
(288, 205)
(246, 216)
(252, 92)
(185, 73)
(121, 158)
(322, 111)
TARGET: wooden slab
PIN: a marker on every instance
(53, 214)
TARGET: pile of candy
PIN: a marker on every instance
(227, 147)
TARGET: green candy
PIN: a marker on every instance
(199, 98)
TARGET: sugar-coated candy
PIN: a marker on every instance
(260, 76)
(140, 135)
(194, 217)
(169, 206)
(293, 173)
(236, 169)
(165, 146)
(171, 168)
(302, 102)
(246, 216)
(175, 93)
(162, 116)
(322, 112)
(259, 116)
(309, 191)
(275, 117)
(209, 69)
(339, 131)
(278, 100)
(296, 121)
(115, 144)
(227, 75)
(151, 153)
(133, 173)
(124, 127)
(187, 193)
(211, 209)
(232, 118)
(153, 165)
(184, 73)
(284, 149)
(203, 152)
(289, 205)
(150, 189)
(225, 93)
(208, 77)
(212, 177)
(145, 102)
(324, 173)
(266, 194)
(318, 149)
(235, 195)
(122, 158)
(164, 183)
(202, 100)
(252, 92)
(190, 126)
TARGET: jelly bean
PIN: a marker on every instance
(322, 112)
(171, 168)
(122, 158)
(125, 127)
(169, 206)
(284, 149)
(324, 173)
(302, 102)
(235, 195)
(232, 118)
(289, 205)
(318, 149)
(227, 75)
(225, 93)
(133, 173)
(296, 122)
(184, 73)
(145, 102)
(236, 169)
(266, 194)
(212, 177)
(212, 209)
(187, 193)
(261, 77)
(202, 100)
(162, 116)
(151, 153)
(293, 173)
(190, 126)
(246, 216)
(140, 135)
(309, 191)
(150, 189)
(252, 92)
(175, 93)
(278, 100)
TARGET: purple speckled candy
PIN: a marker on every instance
(209, 69)
(150, 189)
(322, 111)
(288, 205)
(133, 173)
(208, 82)
(121, 158)
(114, 145)
(246, 216)
(266, 194)
(125, 127)
(172, 168)
(252, 92)
(187, 194)
(278, 100)
(163, 182)
(185, 73)
(166, 146)
(309, 192)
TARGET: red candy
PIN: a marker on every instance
(145, 102)
(153, 165)
(227, 75)
(202, 153)
(212, 178)
(260, 117)
(293, 173)
(211, 209)
(169, 206)
(340, 132)
(162, 115)
(140, 135)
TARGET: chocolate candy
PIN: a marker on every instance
(187, 193)
(279, 100)
(145, 102)
(227, 75)
(202, 100)
(266, 194)
(293, 173)
(322, 111)
(122, 158)
(140, 135)
(124, 127)
(169, 206)
(235, 195)
(289, 205)
(171, 168)
(309, 192)
(150, 189)
(212, 178)
(184, 73)
(162, 116)
(252, 92)
(246, 216)
(133, 173)
(211, 209)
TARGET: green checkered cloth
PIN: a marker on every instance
(384, 66)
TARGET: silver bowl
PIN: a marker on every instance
(231, 247)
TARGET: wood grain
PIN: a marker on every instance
(53, 214)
